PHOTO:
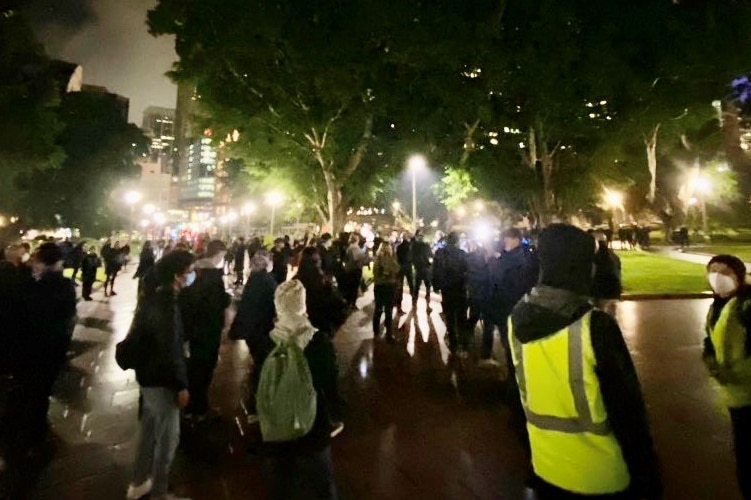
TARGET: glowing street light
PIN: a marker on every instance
(149, 209)
(415, 163)
(273, 199)
(248, 209)
(132, 198)
(703, 187)
(396, 206)
(613, 199)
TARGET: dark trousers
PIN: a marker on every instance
(384, 304)
(300, 476)
(741, 420)
(86, 288)
(455, 310)
(350, 286)
(478, 311)
(422, 276)
(75, 273)
(406, 272)
(200, 374)
(110, 280)
(240, 272)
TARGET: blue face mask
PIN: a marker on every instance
(190, 278)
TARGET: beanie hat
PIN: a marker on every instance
(214, 247)
(49, 254)
(566, 258)
(734, 263)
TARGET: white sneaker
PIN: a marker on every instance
(136, 492)
(336, 428)
(253, 419)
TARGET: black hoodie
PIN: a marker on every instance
(546, 311)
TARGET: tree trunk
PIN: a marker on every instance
(548, 197)
(651, 145)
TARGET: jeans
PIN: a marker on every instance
(296, 476)
(741, 420)
(384, 304)
(160, 435)
(86, 288)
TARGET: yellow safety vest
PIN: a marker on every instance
(730, 366)
(573, 446)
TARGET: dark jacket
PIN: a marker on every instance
(145, 263)
(321, 359)
(404, 254)
(49, 314)
(280, 258)
(607, 278)
(160, 329)
(239, 252)
(91, 262)
(450, 270)
(328, 262)
(477, 276)
(203, 305)
(421, 254)
(255, 314)
(619, 384)
(13, 313)
(511, 277)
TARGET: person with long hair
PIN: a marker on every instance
(386, 273)
(326, 308)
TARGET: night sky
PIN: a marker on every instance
(110, 40)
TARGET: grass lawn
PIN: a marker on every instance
(740, 250)
(645, 273)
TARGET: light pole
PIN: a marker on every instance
(703, 186)
(415, 162)
(247, 210)
(132, 198)
(273, 199)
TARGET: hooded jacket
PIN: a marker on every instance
(546, 311)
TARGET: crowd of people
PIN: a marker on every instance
(571, 377)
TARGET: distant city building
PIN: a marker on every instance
(159, 125)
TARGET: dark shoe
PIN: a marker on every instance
(390, 338)
(88, 299)
(113, 293)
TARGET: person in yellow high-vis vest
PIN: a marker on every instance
(588, 430)
(727, 353)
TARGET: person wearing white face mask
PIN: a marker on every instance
(203, 304)
(162, 376)
(727, 353)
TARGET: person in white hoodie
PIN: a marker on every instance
(302, 468)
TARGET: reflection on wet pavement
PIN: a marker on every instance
(419, 423)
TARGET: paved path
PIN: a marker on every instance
(418, 425)
(688, 255)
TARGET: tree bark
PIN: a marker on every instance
(651, 145)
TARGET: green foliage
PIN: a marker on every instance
(455, 188)
(101, 150)
(28, 123)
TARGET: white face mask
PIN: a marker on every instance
(25, 257)
(722, 284)
(269, 265)
(190, 278)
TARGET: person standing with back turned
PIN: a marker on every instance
(587, 423)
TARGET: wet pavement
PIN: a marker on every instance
(418, 423)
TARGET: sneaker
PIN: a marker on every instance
(88, 299)
(136, 492)
(462, 353)
(253, 419)
(336, 428)
(488, 363)
(113, 293)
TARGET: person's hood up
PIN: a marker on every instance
(206, 263)
(292, 325)
(545, 311)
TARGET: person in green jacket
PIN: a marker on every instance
(385, 275)
(727, 353)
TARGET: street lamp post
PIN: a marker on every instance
(415, 162)
(248, 209)
(273, 199)
(703, 186)
(132, 198)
